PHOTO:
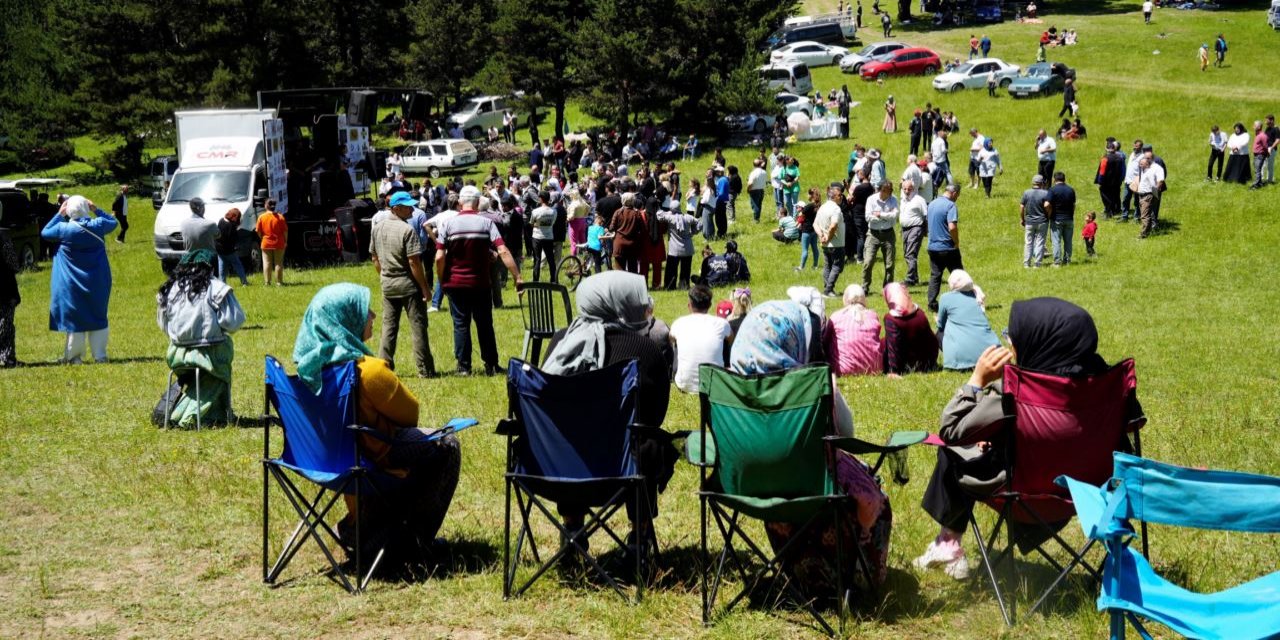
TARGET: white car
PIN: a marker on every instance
(436, 157)
(813, 54)
(853, 62)
(973, 75)
(792, 103)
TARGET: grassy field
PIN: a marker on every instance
(112, 528)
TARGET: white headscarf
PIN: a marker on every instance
(960, 280)
(76, 208)
(810, 298)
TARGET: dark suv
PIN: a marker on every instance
(824, 32)
(23, 219)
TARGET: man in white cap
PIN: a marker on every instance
(464, 247)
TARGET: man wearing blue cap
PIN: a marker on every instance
(397, 255)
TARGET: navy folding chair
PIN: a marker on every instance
(572, 440)
(320, 447)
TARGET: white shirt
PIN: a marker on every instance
(881, 214)
(1048, 149)
(1218, 140)
(699, 339)
(913, 174)
(976, 147)
(1150, 178)
(829, 216)
(988, 162)
(939, 149)
(1146, 6)
(756, 179)
(775, 177)
(914, 211)
(1240, 143)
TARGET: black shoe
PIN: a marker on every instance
(494, 370)
(462, 372)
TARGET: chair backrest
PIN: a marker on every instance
(1065, 426)
(768, 430)
(575, 427)
(1218, 500)
(538, 307)
(316, 437)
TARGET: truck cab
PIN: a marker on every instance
(224, 172)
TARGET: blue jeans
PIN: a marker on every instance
(808, 245)
(437, 296)
(708, 222)
(232, 259)
(789, 202)
(757, 200)
(777, 198)
(466, 305)
(1061, 234)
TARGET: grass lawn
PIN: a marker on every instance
(115, 529)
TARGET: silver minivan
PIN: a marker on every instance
(791, 76)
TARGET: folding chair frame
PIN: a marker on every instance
(518, 485)
(1014, 502)
(168, 414)
(311, 514)
(537, 310)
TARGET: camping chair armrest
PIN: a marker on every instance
(696, 452)
(369, 431)
(509, 427)
(657, 433)
(897, 441)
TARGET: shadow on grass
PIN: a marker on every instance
(110, 361)
(1166, 227)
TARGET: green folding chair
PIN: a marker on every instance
(765, 453)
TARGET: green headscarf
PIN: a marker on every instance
(331, 331)
(198, 255)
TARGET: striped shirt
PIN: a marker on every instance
(467, 240)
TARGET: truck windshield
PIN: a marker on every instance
(211, 186)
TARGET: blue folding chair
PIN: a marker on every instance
(320, 447)
(572, 440)
(1150, 491)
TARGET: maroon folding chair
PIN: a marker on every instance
(1061, 426)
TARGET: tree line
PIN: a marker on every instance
(117, 69)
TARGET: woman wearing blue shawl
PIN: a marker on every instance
(80, 285)
(777, 336)
(333, 331)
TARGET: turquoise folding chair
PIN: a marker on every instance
(1150, 491)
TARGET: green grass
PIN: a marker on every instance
(115, 529)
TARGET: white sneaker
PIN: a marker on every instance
(948, 555)
(433, 309)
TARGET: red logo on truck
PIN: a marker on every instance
(217, 154)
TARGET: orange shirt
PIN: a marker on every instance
(273, 230)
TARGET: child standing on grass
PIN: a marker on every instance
(596, 234)
(1089, 231)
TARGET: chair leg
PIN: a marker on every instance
(266, 513)
(168, 410)
(198, 398)
(836, 521)
(986, 564)
(507, 570)
(706, 560)
(524, 351)
(536, 357)
(1013, 566)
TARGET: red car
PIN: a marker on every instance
(903, 62)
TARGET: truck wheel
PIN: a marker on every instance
(28, 258)
(475, 132)
(434, 172)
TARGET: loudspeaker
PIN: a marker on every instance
(325, 136)
(419, 107)
(362, 108)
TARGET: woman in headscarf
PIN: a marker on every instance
(909, 343)
(9, 299)
(963, 327)
(988, 164)
(333, 331)
(775, 337)
(614, 324)
(80, 285)
(630, 235)
(890, 116)
(681, 228)
(198, 312)
(1047, 335)
(853, 336)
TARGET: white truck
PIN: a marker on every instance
(1273, 15)
(224, 159)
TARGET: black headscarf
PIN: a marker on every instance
(1054, 336)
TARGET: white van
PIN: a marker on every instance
(477, 115)
(1273, 16)
(791, 76)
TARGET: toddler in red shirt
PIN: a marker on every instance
(1089, 231)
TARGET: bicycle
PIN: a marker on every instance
(572, 269)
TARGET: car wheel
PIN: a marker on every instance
(1004, 84)
(836, 59)
(759, 127)
(434, 172)
(881, 76)
(475, 132)
(857, 68)
(28, 257)
(930, 70)
(957, 87)
(254, 261)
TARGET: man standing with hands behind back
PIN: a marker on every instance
(397, 256)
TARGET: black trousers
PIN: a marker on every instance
(674, 264)
(722, 218)
(1066, 107)
(1110, 194)
(1215, 155)
(124, 225)
(915, 144)
(1046, 170)
(948, 260)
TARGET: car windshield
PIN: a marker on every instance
(964, 68)
(867, 50)
(471, 107)
(1038, 72)
(211, 186)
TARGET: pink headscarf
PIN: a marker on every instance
(898, 299)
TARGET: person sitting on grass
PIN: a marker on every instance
(700, 338)
(726, 268)
(909, 343)
(963, 327)
(1047, 335)
(424, 466)
(199, 312)
(853, 336)
(788, 230)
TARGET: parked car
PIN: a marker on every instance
(826, 32)
(903, 62)
(477, 115)
(987, 11)
(23, 219)
(973, 74)
(756, 123)
(853, 62)
(813, 54)
(787, 75)
(1042, 79)
(792, 103)
(436, 157)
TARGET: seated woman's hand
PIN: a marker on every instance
(990, 366)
